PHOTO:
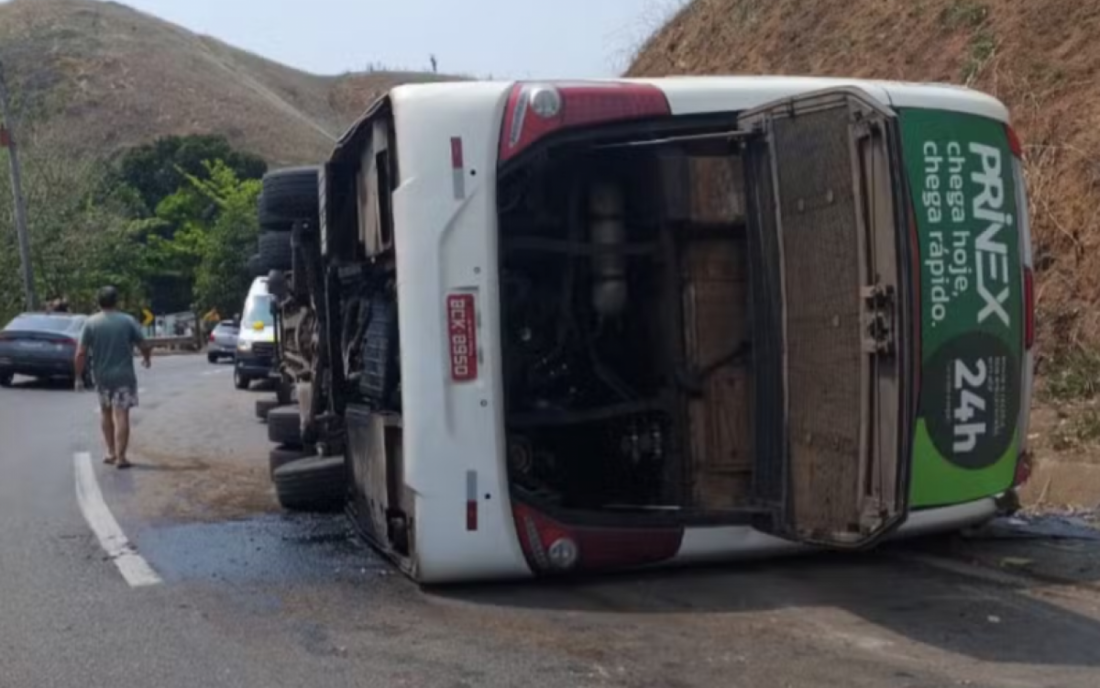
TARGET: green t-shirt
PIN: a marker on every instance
(109, 339)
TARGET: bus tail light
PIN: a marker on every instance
(1014, 142)
(1023, 470)
(535, 110)
(552, 547)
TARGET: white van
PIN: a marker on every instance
(582, 326)
(255, 357)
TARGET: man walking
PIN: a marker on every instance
(110, 337)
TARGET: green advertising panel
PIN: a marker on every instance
(961, 173)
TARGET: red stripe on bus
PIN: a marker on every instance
(471, 515)
(456, 153)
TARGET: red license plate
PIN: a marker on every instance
(462, 335)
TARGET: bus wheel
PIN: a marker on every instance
(316, 484)
(284, 426)
(265, 406)
(282, 455)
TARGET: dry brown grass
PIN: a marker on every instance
(99, 76)
(1040, 58)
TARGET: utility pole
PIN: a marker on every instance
(8, 140)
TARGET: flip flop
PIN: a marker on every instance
(124, 464)
(109, 460)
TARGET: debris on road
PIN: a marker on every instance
(1044, 527)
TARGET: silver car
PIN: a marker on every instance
(223, 341)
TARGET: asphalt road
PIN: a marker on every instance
(249, 597)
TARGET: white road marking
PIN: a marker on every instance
(131, 565)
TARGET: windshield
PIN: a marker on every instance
(258, 309)
(45, 323)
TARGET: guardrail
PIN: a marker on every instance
(174, 343)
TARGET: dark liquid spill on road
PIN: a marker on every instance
(275, 549)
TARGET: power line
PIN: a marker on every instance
(8, 140)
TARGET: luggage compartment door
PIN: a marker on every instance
(834, 454)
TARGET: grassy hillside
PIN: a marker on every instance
(1039, 57)
(99, 76)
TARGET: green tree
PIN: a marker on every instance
(217, 227)
(79, 231)
(157, 170)
(90, 227)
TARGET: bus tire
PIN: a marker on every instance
(282, 455)
(315, 484)
(264, 406)
(276, 253)
(270, 221)
(284, 426)
(292, 193)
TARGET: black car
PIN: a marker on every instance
(40, 345)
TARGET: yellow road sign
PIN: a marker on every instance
(147, 317)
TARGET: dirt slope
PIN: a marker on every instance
(100, 76)
(1041, 58)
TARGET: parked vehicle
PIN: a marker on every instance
(562, 327)
(223, 341)
(255, 356)
(41, 345)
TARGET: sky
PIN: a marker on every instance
(502, 38)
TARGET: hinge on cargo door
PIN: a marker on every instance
(872, 515)
(878, 325)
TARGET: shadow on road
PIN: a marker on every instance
(954, 612)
